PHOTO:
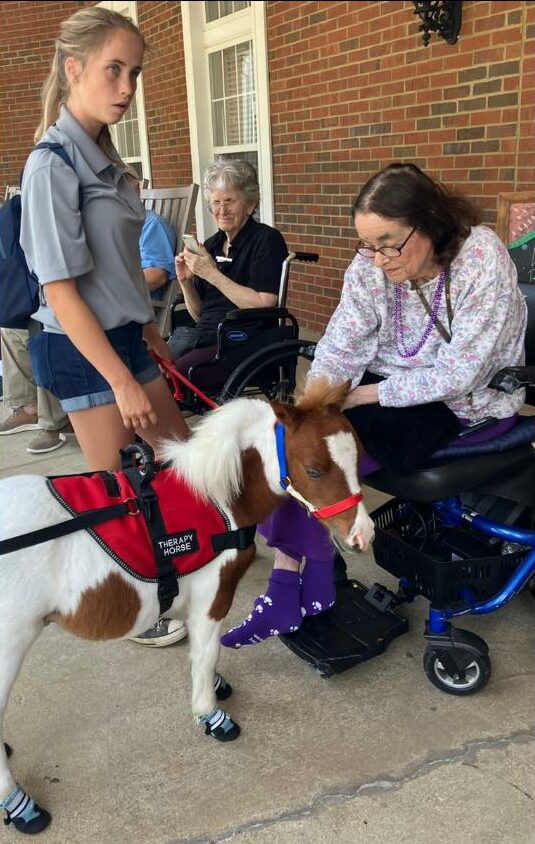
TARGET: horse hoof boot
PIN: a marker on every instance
(228, 735)
(8, 749)
(223, 690)
(220, 726)
(36, 824)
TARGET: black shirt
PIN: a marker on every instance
(256, 256)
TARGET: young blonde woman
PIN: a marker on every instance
(80, 233)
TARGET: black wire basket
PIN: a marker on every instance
(438, 562)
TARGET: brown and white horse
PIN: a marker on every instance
(232, 458)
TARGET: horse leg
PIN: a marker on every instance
(15, 642)
(206, 683)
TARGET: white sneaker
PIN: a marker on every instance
(165, 632)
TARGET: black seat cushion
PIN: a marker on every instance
(449, 479)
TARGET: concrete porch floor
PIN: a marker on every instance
(103, 734)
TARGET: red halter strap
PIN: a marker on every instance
(339, 507)
(286, 484)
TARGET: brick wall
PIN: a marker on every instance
(164, 83)
(353, 88)
(27, 32)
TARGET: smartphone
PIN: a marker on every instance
(191, 244)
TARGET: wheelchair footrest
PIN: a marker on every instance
(352, 631)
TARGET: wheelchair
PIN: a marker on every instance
(460, 531)
(257, 351)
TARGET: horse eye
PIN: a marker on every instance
(313, 473)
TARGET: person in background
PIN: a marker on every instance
(33, 408)
(157, 247)
(238, 267)
(430, 310)
(99, 329)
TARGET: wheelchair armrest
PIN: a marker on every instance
(306, 256)
(511, 378)
(246, 314)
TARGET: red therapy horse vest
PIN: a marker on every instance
(190, 522)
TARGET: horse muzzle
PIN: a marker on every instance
(361, 533)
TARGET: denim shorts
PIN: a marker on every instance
(61, 369)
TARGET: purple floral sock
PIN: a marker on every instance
(278, 611)
(318, 591)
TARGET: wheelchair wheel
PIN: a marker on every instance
(269, 373)
(471, 673)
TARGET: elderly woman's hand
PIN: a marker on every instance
(202, 265)
(366, 394)
(181, 270)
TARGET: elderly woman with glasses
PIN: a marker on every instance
(430, 310)
(238, 267)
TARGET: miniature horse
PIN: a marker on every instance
(232, 458)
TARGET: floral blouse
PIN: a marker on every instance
(487, 333)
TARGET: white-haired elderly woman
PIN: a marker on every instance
(238, 267)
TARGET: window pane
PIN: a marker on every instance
(130, 139)
(218, 123)
(216, 75)
(137, 144)
(233, 99)
(248, 119)
(244, 60)
(121, 139)
(211, 10)
(229, 71)
(214, 10)
(233, 124)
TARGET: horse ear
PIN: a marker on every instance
(320, 393)
(340, 393)
(287, 414)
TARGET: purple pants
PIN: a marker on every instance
(294, 532)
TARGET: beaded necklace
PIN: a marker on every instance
(398, 320)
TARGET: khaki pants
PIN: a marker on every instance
(19, 386)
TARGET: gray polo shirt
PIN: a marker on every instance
(99, 245)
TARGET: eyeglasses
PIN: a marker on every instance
(216, 206)
(387, 251)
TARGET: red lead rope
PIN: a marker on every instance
(177, 377)
(339, 507)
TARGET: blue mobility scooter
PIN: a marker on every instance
(459, 531)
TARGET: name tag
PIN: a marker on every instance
(220, 259)
(178, 544)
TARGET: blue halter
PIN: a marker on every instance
(281, 456)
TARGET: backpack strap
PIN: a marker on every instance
(63, 154)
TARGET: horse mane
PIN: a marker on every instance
(320, 392)
(211, 460)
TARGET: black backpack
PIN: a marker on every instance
(19, 288)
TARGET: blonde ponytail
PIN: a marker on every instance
(80, 35)
(52, 95)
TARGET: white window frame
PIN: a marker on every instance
(129, 7)
(200, 38)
